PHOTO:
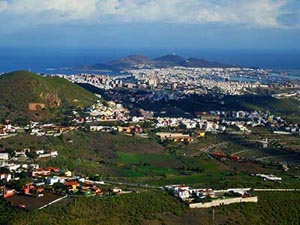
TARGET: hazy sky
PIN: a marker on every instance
(209, 24)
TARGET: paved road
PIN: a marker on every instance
(239, 152)
(8, 136)
(161, 187)
(274, 189)
(272, 156)
(128, 184)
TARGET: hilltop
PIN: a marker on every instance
(27, 96)
(170, 60)
(141, 61)
(130, 61)
(195, 62)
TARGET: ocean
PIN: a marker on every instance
(51, 60)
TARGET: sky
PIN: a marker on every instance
(151, 24)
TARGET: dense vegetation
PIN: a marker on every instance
(126, 209)
(198, 103)
(157, 207)
(273, 208)
(20, 88)
(7, 212)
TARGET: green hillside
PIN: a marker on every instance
(48, 96)
(157, 208)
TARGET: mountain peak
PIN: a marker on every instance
(130, 62)
(171, 58)
(141, 61)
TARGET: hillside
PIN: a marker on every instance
(140, 61)
(154, 207)
(98, 66)
(169, 60)
(27, 96)
(131, 61)
(195, 62)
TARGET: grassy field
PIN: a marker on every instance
(135, 159)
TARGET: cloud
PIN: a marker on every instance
(3, 6)
(53, 11)
(254, 13)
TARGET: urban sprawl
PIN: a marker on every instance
(153, 85)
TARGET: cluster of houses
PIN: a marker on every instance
(207, 197)
(16, 167)
(100, 81)
(219, 121)
(196, 123)
(12, 166)
(243, 119)
(21, 155)
(12, 170)
(102, 112)
(110, 111)
(129, 130)
(43, 181)
(213, 121)
(186, 193)
(8, 130)
(51, 179)
(40, 129)
(40, 180)
(176, 137)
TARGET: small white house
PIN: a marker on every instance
(53, 180)
(183, 194)
(13, 167)
(39, 152)
(5, 176)
(4, 156)
(52, 154)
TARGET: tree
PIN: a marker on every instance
(10, 151)
(4, 170)
(32, 155)
(58, 187)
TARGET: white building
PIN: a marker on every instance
(5, 176)
(4, 156)
(53, 180)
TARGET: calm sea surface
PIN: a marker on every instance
(44, 60)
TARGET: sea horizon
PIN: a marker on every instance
(52, 60)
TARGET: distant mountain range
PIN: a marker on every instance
(141, 61)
